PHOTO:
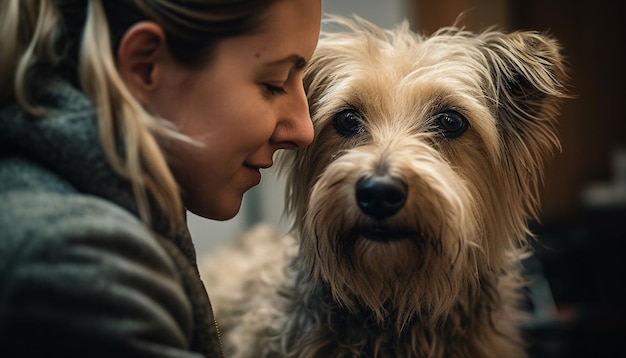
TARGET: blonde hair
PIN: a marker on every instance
(30, 32)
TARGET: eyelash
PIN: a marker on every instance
(273, 90)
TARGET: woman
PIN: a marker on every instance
(115, 117)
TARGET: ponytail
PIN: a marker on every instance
(28, 33)
(121, 117)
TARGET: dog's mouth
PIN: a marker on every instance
(386, 233)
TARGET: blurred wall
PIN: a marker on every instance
(265, 202)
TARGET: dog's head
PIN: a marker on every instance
(426, 163)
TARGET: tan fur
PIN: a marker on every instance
(448, 286)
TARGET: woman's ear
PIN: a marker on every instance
(140, 54)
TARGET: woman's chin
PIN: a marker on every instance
(224, 217)
(223, 212)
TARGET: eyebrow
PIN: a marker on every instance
(297, 60)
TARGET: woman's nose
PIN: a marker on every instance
(295, 129)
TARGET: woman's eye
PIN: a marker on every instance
(273, 89)
(450, 124)
(348, 122)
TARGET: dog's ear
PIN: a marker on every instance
(527, 84)
(528, 78)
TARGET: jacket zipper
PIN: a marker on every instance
(219, 335)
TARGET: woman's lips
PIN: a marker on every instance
(255, 172)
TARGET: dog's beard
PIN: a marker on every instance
(414, 264)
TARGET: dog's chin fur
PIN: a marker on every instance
(441, 277)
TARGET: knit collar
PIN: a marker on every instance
(66, 141)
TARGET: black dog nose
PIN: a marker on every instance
(380, 196)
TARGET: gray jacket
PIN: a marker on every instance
(80, 274)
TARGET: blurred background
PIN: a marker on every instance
(577, 295)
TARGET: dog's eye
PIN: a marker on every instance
(450, 123)
(348, 122)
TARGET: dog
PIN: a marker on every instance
(411, 207)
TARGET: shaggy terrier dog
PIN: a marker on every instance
(410, 209)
